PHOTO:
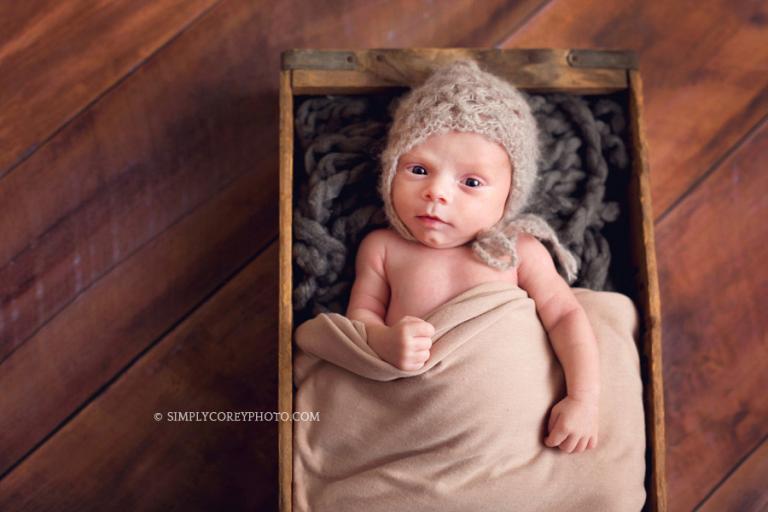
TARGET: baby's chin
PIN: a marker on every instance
(437, 241)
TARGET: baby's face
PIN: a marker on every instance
(461, 180)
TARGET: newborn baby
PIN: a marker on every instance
(459, 166)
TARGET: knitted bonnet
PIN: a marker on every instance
(462, 97)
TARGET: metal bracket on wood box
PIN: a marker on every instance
(319, 59)
(622, 59)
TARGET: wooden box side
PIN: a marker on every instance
(285, 321)
(318, 72)
(644, 253)
(575, 71)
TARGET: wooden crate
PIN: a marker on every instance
(320, 72)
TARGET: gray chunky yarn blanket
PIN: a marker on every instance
(339, 139)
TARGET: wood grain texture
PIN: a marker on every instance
(57, 57)
(644, 252)
(121, 173)
(285, 325)
(744, 490)
(364, 71)
(394, 23)
(102, 331)
(115, 456)
(705, 66)
(714, 283)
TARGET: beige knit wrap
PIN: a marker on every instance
(462, 97)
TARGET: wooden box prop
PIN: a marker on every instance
(307, 73)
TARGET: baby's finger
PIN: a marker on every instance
(582, 445)
(422, 328)
(555, 438)
(410, 320)
(553, 416)
(592, 443)
(421, 343)
(411, 364)
(570, 443)
(421, 356)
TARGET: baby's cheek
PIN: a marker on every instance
(497, 208)
(487, 215)
(401, 196)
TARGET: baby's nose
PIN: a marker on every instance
(437, 191)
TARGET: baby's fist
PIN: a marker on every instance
(573, 425)
(406, 344)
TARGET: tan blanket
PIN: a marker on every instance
(466, 431)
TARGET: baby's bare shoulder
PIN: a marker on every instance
(381, 235)
(535, 265)
(373, 248)
(379, 240)
(376, 241)
(530, 248)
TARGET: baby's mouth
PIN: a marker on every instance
(430, 219)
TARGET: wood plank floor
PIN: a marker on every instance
(138, 226)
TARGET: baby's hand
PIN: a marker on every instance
(573, 425)
(405, 344)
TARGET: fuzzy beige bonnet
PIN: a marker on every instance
(462, 97)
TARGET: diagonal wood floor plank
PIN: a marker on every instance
(713, 283)
(744, 490)
(58, 57)
(105, 328)
(705, 73)
(115, 456)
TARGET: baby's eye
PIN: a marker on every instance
(473, 182)
(417, 169)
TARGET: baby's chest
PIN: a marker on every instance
(421, 283)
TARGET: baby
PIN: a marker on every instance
(459, 166)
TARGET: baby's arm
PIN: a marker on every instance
(404, 345)
(370, 291)
(573, 421)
